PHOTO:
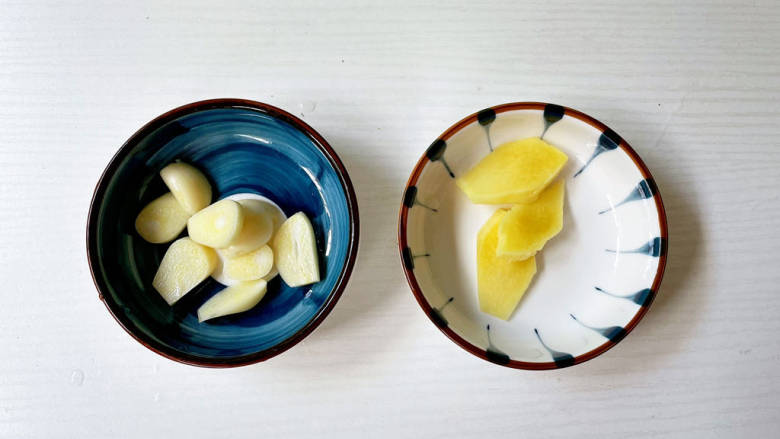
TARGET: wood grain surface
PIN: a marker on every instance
(694, 86)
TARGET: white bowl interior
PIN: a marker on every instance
(612, 251)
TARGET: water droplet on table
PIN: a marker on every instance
(77, 377)
(307, 107)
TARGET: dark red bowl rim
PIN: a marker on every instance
(334, 295)
(480, 352)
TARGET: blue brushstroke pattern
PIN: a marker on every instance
(409, 258)
(641, 297)
(552, 113)
(437, 314)
(655, 248)
(561, 359)
(406, 254)
(644, 189)
(485, 118)
(435, 153)
(494, 354)
(436, 150)
(410, 199)
(410, 196)
(613, 333)
(608, 141)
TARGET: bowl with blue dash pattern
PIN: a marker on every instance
(595, 280)
(246, 149)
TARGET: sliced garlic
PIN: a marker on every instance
(218, 225)
(295, 251)
(190, 187)
(237, 298)
(184, 265)
(161, 220)
(251, 266)
(257, 230)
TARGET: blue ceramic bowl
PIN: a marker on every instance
(242, 146)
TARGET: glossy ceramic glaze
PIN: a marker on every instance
(242, 147)
(595, 280)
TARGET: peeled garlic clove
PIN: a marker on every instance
(161, 220)
(237, 298)
(278, 219)
(185, 264)
(271, 274)
(257, 230)
(190, 187)
(295, 251)
(276, 214)
(218, 225)
(219, 272)
(251, 266)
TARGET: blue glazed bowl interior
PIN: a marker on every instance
(240, 150)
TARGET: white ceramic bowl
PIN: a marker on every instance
(595, 280)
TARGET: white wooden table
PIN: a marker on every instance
(694, 86)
